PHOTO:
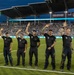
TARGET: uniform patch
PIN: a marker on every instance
(20, 40)
(5, 38)
(48, 37)
(66, 37)
(31, 36)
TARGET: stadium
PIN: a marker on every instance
(15, 15)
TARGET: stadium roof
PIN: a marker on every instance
(38, 8)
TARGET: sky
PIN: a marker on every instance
(9, 3)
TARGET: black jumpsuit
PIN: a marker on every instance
(20, 51)
(7, 53)
(49, 41)
(33, 49)
(66, 51)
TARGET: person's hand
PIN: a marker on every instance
(1, 29)
(25, 51)
(49, 48)
(61, 30)
(47, 25)
(28, 24)
(10, 49)
(64, 24)
(19, 30)
(72, 49)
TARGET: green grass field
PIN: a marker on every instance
(41, 56)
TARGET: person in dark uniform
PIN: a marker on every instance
(34, 44)
(22, 47)
(7, 47)
(67, 47)
(50, 42)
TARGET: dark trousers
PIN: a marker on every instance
(33, 50)
(48, 53)
(66, 53)
(7, 55)
(20, 53)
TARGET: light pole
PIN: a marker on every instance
(35, 20)
(50, 15)
(66, 12)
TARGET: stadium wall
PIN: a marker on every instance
(38, 36)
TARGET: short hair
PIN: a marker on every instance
(6, 33)
(68, 28)
(50, 30)
(34, 31)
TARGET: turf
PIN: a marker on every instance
(41, 59)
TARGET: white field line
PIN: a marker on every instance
(37, 70)
(16, 50)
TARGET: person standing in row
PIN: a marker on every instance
(22, 47)
(50, 42)
(34, 44)
(7, 47)
(67, 46)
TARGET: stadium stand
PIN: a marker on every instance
(38, 26)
